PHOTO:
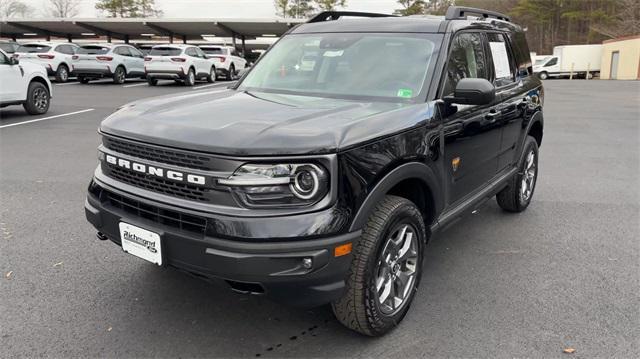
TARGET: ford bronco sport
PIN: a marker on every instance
(319, 177)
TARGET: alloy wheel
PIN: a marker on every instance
(397, 269)
(40, 99)
(528, 177)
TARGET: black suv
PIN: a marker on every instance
(319, 177)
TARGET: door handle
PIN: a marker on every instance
(492, 116)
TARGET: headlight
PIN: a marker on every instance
(278, 185)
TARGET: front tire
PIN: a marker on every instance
(385, 269)
(543, 75)
(232, 73)
(38, 99)
(62, 73)
(517, 196)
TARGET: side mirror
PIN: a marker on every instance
(13, 61)
(470, 91)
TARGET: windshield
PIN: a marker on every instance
(346, 65)
(34, 48)
(212, 50)
(165, 51)
(92, 50)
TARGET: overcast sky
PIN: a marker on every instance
(220, 8)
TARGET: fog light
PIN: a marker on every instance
(307, 263)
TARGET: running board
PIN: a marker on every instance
(449, 217)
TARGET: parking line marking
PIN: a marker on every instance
(47, 118)
(67, 83)
(136, 84)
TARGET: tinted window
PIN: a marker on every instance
(65, 49)
(212, 51)
(92, 50)
(553, 61)
(466, 60)
(8, 47)
(521, 52)
(503, 63)
(165, 51)
(34, 48)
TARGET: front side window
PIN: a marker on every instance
(553, 61)
(392, 66)
(466, 60)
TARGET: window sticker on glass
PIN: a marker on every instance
(405, 93)
(500, 60)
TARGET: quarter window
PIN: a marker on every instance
(466, 60)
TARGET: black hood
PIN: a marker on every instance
(248, 124)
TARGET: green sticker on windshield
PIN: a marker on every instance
(405, 93)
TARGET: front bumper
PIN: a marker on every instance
(273, 268)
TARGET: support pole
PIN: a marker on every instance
(571, 73)
(588, 68)
(184, 39)
(109, 38)
(69, 38)
(171, 39)
(126, 39)
(48, 37)
(244, 47)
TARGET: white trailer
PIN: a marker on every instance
(570, 60)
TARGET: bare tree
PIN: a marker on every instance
(63, 8)
(282, 7)
(626, 20)
(14, 8)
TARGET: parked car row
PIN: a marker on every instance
(182, 63)
(26, 84)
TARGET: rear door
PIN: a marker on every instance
(471, 135)
(509, 74)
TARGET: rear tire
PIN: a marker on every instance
(38, 99)
(211, 78)
(151, 81)
(62, 73)
(388, 255)
(190, 79)
(120, 75)
(517, 196)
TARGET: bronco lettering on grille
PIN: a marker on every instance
(156, 171)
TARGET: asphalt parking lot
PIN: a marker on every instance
(564, 274)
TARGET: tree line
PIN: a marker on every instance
(71, 8)
(550, 23)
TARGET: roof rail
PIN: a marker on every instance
(335, 15)
(460, 13)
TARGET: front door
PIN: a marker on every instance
(11, 86)
(471, 133)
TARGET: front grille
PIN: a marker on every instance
(176, 189)
(178, 220)
(164, 155)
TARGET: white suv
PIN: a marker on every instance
(56, 57)
(25, 84)
(227, 60)
(182, 63)
(118, 61)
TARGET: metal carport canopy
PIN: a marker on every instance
(134, 28)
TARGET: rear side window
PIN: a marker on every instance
(65, 49)
(521, 53)
(467, 59)
(502, 57)
(8, 47)
(165, 51)
(34, 48)
(191, 52)
(92, 50)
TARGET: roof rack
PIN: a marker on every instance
(460, 13)
(335, 15)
